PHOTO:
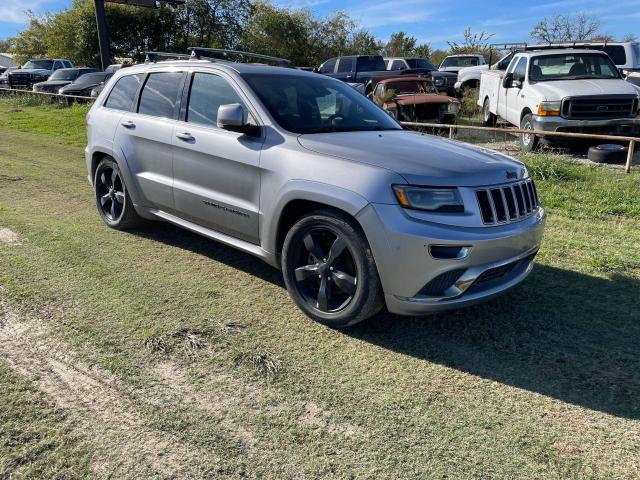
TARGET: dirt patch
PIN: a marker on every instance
(8, 236)
(99, 409)
(315, 416)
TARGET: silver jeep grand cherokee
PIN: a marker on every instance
(302, 171)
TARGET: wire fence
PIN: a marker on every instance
(20, 91)
(583, 136)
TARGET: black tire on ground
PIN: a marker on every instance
(112, 197)
(488, 118)
(608, 153)
(329, 269)
(528, 143)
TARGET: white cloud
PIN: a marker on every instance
(15, 11)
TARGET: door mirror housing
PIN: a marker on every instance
(232, 117)
(507, 81)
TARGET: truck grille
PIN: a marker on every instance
(507, 203)
(616, 106)
(451, 81)
(19, 79)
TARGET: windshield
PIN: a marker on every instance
(43, 64)
(371, 63)
(316, 104)
(89, 78)
(571, 66)
(460, 62)
(64, 74)
(407, 87)
(420, 63)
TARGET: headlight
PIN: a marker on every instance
(453, 107)
(438, 81)
(94, 93)
(34, 88)
(431, 199)
(549, 109)
(61, 91)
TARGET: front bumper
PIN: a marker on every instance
(497, 258)
(616, 126)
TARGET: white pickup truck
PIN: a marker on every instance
(567, 90)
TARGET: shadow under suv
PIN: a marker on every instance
(307, 174)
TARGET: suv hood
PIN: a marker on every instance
(564, 88)
(420, 159)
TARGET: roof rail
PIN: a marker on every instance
(200, 52)
(152, 57)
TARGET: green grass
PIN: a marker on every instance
(36, 440)
(540, 383)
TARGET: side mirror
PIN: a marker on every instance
(507, 81)
(231, 117)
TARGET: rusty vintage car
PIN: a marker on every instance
(414, 99)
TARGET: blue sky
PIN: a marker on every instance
(430, 21)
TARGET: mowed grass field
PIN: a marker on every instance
(156, 353)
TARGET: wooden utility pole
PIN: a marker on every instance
(103, 34)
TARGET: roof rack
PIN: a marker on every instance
(152, 57)
(200, 52)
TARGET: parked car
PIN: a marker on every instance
(4, 78)
(469, 77)
(570, 90)
(84, 84)
(414, 99)
(454, 63)
(360, 69)
(302, 171)
(61, 78)
(443, 81)
(34, 71)
(626, 56)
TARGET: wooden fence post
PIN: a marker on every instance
(632, 145)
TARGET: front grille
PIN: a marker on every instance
(451, 81)
(503, 270)
(439, 284)
(615, 106)
(507, 203)
(20, 79)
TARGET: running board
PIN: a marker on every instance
(248, 247)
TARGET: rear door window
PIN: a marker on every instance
(371, 63)
(124, 92)
(160, 94)
(208, 92)
(345, 65)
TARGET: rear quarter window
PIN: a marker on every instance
(124, 92)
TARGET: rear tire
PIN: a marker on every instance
(488, 118)
(112, 197)
(528, 142)
(329, 269)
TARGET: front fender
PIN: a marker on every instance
(329, 195)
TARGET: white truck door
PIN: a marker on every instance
(513, 102)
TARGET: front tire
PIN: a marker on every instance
(329, 270)
(528, 142)
(112, 198)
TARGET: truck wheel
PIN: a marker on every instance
(488, 118)
(112, 198)
(329, 270)
(528, 142)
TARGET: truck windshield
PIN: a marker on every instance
(460, 62)
(571, 66)
(316, 104)
(371, 63)
(42, 64)
(64, 74)
(420, 63)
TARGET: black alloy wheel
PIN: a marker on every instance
(112, 199)
(329, 269)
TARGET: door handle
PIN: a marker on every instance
(128, 124)
(186, 136)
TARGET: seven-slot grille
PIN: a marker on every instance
(599, 107)
(507, 203)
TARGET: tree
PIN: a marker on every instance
(363, 42)
(437, 56)
(603, 37)
(423, 51)
(565, 28)
(630, 37)
(400, 45)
